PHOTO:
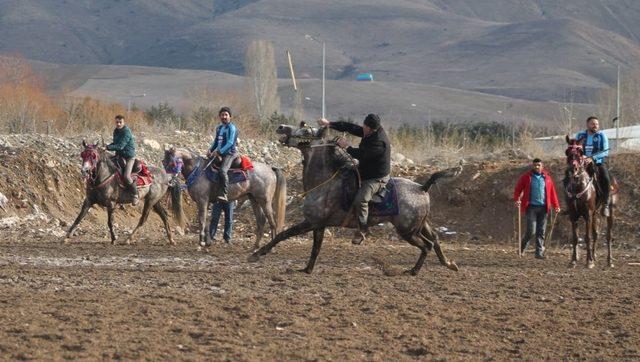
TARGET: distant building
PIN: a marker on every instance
(366, 77)
(628, 139)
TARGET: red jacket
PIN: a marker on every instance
(523, 187)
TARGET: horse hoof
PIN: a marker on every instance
(590, 265)
(611, 265)
(253, 258)
(411, 272)
(572, 264)
(305, 270)
(452, 266)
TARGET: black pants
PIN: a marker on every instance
(604, 180)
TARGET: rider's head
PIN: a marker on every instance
(536, 165)
(119, 121)
(225, 114)
(371, 123)
(592, 124)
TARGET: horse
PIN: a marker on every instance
(103, 188)
(583, 201)
(322, 162)
(265, 187)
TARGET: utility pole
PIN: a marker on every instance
(618, 112)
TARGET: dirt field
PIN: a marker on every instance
(89, 300)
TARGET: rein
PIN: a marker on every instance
(193, 175)
(302, 195)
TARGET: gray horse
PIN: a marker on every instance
(322, 161)
(103, 188)
(266, 188)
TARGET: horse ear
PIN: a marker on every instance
(303, 124)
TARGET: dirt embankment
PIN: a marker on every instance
(40, 176)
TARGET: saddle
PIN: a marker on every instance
(140, 173)
(383, 203)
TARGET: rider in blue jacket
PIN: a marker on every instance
(596, 147)
(224, 146)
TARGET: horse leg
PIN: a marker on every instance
(588, 241)
(574, 242)
(110, 211)
(429, 236)
(158, 209)
(86, 205)
(298, 229)
(143, 218)
(260, 221)
(416, 240)
(270, 215)
(318, 235)
(594, 234)
(202, 219)
(609, 238)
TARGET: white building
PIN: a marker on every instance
(628, 139)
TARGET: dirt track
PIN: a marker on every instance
(89, 300)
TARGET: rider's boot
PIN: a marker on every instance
(222, 188)
(360, 234)
(133, 189)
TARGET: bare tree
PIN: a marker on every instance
(262, 78)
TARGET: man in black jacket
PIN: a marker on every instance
(374, 156)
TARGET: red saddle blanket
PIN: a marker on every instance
(142, 177)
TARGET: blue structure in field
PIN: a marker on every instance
(366, 77)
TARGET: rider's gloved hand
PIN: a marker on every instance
(323, 122)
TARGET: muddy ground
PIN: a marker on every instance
(90, 300)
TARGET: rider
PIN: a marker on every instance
(596, 148)
(125, 146)
(224, 146)
(374, 156)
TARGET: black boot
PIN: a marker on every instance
(222, 187)
(133, 189)
(360, 234)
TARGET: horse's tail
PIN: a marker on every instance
(280, 199)
(176, 204)
(451, 172)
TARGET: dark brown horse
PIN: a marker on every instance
(104, 189)
(583, 201)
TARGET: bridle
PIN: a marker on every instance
(90, 157)
(577, 164)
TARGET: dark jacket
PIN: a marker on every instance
(123, 143)
(373, 153)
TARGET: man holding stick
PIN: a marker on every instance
(535, 195)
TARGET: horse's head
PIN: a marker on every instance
(90, 157)
(299, 137)
(575, 161)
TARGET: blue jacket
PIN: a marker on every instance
(598, 143)
(123, 143)
(226, 139)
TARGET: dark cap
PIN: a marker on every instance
(225, 109)
(372, 121)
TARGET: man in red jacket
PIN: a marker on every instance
(535, 195)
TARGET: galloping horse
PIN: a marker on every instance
(104, 189)
(584, 202)
(265, 186)
(322, 161)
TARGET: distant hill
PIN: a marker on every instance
(534, 50)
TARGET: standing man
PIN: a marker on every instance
(374, 156)
(596, 148)
(535, 195)
(224, 146)
(218, 208)
(125, 146)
